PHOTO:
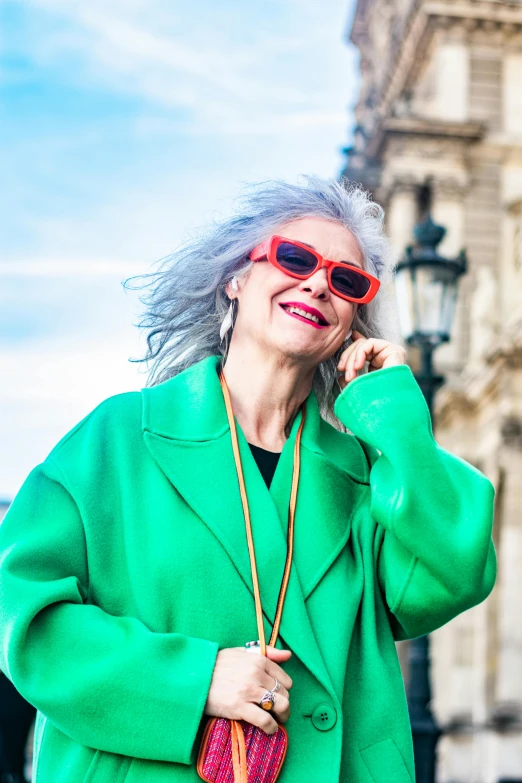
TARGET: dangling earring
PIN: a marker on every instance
(227, 320)
(226, 323)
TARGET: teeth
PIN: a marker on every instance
(303, 313)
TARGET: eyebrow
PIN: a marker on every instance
(348, 263)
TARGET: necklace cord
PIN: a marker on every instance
(248, 525)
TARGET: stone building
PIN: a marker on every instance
(439, 123)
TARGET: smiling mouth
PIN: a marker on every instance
(302, 315)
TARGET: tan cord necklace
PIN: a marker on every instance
(250, 540)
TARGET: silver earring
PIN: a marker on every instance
(226, 322)
(234, 283)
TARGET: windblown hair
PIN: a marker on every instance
(186, 299)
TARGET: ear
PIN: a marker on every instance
(230, 291)
(232, 288)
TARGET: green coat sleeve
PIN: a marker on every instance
(436, 558)
(107, 682)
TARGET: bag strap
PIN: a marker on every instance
(239, 760)
(250, 540)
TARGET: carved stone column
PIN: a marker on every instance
(511, 275)
(448, 210)
(401, 213)
(505, 757)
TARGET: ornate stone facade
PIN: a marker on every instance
(439, 121)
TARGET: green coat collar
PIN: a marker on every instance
(186, 430)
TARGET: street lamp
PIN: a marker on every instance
(426, 289)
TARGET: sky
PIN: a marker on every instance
(126, 127)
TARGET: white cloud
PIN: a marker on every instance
(221, 65)
(72, 337)
(47, 390)
(231, 93)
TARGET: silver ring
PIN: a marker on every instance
(277, 686)
(253, 647)
(268, 701)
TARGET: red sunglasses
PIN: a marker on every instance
(301, 261)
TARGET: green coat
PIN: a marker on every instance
(124, 569)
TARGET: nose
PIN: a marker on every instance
(316, 285)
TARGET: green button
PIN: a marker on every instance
(324, 717)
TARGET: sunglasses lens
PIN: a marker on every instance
(295, 260)
(348, 282)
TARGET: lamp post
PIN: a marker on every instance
(426, 289)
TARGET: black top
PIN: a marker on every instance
(266, 462)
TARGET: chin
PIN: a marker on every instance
(300, 349)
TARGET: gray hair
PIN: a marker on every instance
(186, 299)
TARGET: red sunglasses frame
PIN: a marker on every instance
(268, 250)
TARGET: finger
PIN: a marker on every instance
(268, 684)
(281, 708)
(355, 363)
(370, 350)
(382, 352)
(345, 357)
(259, 717)
(376, 342)
(277, 655)
(391, 356)
(273, 670)
(341, 364)
(361, 357)
(395, 358)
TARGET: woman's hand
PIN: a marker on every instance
(240, 681)
(380, 354)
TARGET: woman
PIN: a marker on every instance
(126, 598)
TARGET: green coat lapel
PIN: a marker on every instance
(329, 492)
(186, 431)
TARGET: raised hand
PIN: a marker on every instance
(380, 354)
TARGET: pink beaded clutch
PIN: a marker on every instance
(260, 754)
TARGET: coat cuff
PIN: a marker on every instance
(382, 405)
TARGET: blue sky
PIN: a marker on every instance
(127, 126)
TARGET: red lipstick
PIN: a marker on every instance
(306, 309)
